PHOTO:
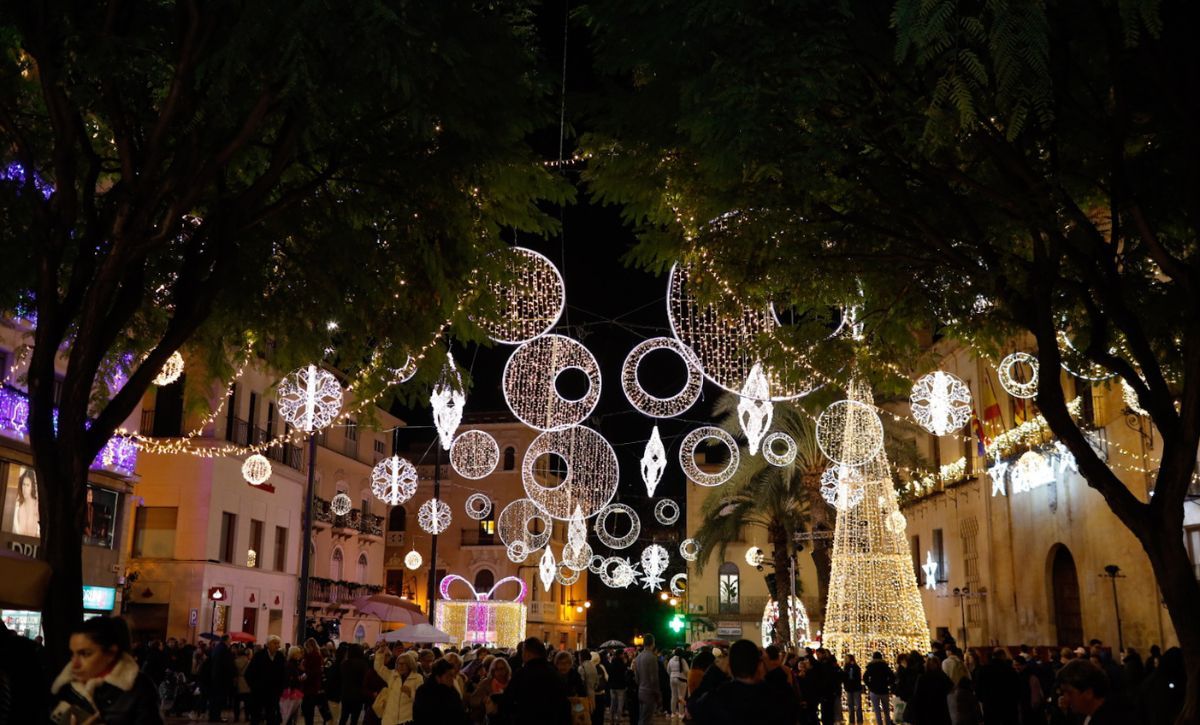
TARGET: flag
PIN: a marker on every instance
(981, 439)
(993, 421)
(1020, 411)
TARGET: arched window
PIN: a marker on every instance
(510, 458)
(362, 568)
(484, 581)
(335, 565)
(397, 519)
(728, 587)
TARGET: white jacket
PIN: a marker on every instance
(399, 707)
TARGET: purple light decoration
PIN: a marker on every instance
(449, 579)
(15, 172)
(119, 455)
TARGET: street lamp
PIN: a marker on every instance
(215, 594)
(1113, 572)
(961, 594)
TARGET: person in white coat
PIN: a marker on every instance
(402, 683)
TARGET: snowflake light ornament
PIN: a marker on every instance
(617, 541)
(655, 559)
(689, 549)
(474, 454)
(340, 504)
(478, 506)
(1014, 382)
(448, 400)
(394, 480)
(666, 512)
(434, 516)
(755, 556)
(547, 568)
(618, 573)
(941, 403)
(841, 487)
(413, 560)
(309, 398)
(654, 462)
(754, 407)
(256, 469)
(171, 370)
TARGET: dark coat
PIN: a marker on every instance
(353, 675)
(998, 687)
(124, 696)
(266, 675)
(879, 677)
(739, 702)
(314, 672)
(438, 704)
(536, 694)
(929, 705)
(852, 678)
(221, 669)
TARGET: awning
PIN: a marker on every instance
(23, 581)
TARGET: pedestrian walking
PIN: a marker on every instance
(352, 676)
(999, 689)
(879, 680)
(267, 677)
(645, 670)
(536, 694)
(437, 701)
(222, 674)
(677, 671)
(241, 688)
(853, 683)
(102, 682)
(618, 668)
(313, 683)
(484, 702)
(929, 704)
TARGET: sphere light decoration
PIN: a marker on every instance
(652, 405)
(771, 453)
(678, 585)
(309, 398)
(434, 516)
(517, 552)
(754, 407)
(611, 540)
(591, 478)
(256, 469)
(474, 454)
(447, 400)
(1011, 379)
(654, 462)
(849, 432)
(394, 480)
(340, 504)
(689, 549)
(797, 616)
(941, 403)
(547, 568)
(895, 522)
(530, 380)
(687, 456)
(666, 512)
(478, 506)
(517, 524)
(527, 297)
(755, 556)
(413, 560)
(171, 370)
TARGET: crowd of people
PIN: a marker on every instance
(108, 681)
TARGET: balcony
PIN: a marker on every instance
(327, 591)
(370, 526)
(322, 514)
(119, 454)
(746, 608)
(238, 431)
(475, 536)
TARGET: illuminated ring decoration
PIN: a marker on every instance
(529, 302)
(256, 469)
(517, 552)
(529, 379)
(687, 456)
(608, 572)
(592, 472)
(567, 579)
(849, 432)
(478, 506)
(779, 459)
(596, 563)
(404, 373)
(650, 404)
(612, 540)
(434, 516)
(474, 454)
(666, 511)
(940, 402)
(513, 525)
(1095, 373)
(1008, 380)
(689, 549)
(678, 584)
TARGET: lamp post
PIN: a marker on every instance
(962, 594)
(1113, 572)
(215, 594)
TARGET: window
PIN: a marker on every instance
(351, 429)
(254, 553)
(484, 581)
(154, 532)
(280, 548)
(230, 411)
(487, 526)
(335, 565)
(939, 555)
(397, 519)
(100, 517)
(728, 586)
(918, 572)
(21, 515)
(270, 420)
(379, 447)
(1191, 536)
(366, 502)
(510, 458)
(252, 414)
(228, 532)
(362, 568)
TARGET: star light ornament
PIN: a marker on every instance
(413, 560)
(754, 407)
(654, 562)
(340, 504)
(256, 469)
(171, 370)
(547, 568)
(394, 480)
(941, 403)
(434, 516)
(309, 399)
(930, 568)
(654, 462)
(996, 473)
(448, 400)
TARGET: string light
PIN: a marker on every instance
(849, 432)
(474, 454)
(617, 541)
(309, 398)
(941, 402)
(530, 380)
(654, 462)
(652, 405)
(1130, 398)
(448, 400)
(687, 456)
(689, 549)
(754, 407)
(478, 506)
(1015, 384)
(591, 478)
(256, 469)
(528, 297)
(394, 480)
(666, 512)
(515, 525)
(789, 449)
(797, 617)
(434, 516)
(340, 504)
(171, 370)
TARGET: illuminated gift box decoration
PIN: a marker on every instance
(499, 623)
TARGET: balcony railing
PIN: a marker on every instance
(744, 606)
(353, 520)
(371, 525)
(321, 511)
(238, 432)
(338, 592)
(476, 537)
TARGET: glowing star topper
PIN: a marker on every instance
(996, 473)
(754, 407)
(930, 568)
(310, 398)
(547, 568)
(654, 462)
(448, 400)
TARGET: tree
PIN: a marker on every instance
(299, 179)
(973, 170)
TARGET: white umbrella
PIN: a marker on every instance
(390, 608)
(423, 633)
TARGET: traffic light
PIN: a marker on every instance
(677, 624)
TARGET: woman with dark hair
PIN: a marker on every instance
(102, 681)
(25, 511)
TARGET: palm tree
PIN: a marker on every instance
(780, 499)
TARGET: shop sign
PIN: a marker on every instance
(729, 629)
(99, 598)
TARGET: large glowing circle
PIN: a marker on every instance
(941, 403)
(526, 297)
(666, 511)
(771, 449)
(309, 398)
(474, 454)
(530, 380)
(478, 506)
(171, 370)
(434, 516)
(518, 524)
(413, 560)
(687, 456)
(340, 504)
(591, 477)
(256, 469)
(394, 480)
(689, 549)
(652, 405)
(617, 541)
(1013, 381)
(849, 432)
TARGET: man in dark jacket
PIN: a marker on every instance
(1085, 691)
(831, 686)
(998, 687)
(852, 681)
(536, 694)
(879, 679)
(436, 701)
(266, 675)
(747, 698)
(221, 674)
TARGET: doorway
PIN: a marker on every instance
(1064, 583)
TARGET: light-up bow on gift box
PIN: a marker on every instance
(482, 619)
(486, 596)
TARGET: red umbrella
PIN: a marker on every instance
(241, 637)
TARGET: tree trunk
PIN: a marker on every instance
(783, 584)
(60, 489)
(1180, 592)
(819, 522)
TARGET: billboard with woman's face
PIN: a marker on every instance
(20, 515)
